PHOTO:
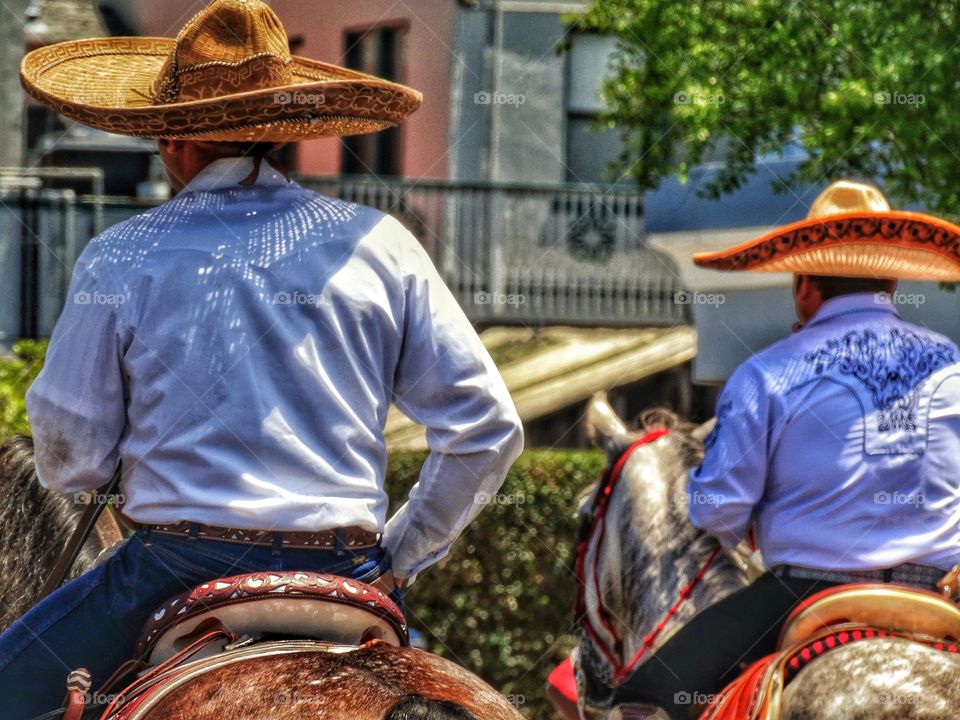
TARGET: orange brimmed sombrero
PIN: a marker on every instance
(851, 231)
(228, 76)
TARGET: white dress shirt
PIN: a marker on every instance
(238, 348)
(841, 444)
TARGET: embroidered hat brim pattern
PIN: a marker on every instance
(851, 232)
(227, 76)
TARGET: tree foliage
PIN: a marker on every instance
(867, 88)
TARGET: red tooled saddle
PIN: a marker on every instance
(241, 617)
(835, 617)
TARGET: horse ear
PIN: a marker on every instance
(700, 432)
(604, 427)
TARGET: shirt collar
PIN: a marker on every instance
(855, 303)
(230, 172)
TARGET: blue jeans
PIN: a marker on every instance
(94, 620)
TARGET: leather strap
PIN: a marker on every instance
(86, 525)
(351, 538)
(922, 576)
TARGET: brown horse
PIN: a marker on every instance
(652, 552)
(376, 681)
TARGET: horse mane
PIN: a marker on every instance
(682, 432)
(35, 525)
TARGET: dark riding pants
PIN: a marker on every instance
(94, 620)
(707, 653)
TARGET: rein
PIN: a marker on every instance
(602, 633)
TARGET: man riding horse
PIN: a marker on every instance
(235, 350)
(839, 445)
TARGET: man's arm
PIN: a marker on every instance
(447, 382)
(76, 405)
(724, 489)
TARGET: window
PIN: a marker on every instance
(375, 51)
(589, 150)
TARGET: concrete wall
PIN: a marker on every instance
(12, 48)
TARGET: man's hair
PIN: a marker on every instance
(831, 287)
(240, 149)
(417, 707)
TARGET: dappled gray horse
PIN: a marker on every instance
(650, 552)
(35, 525)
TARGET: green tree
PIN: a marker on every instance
(868, 88)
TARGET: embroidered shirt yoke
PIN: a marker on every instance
(841, 443)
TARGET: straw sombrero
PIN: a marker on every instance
(227, 76)
(851, 231)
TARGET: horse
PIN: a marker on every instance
(35, 525)
(651, 552)
(374, 680)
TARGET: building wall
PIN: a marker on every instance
(427, 58)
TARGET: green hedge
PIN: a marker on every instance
(500, 603)
(16, 374)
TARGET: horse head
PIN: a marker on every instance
(648, 551)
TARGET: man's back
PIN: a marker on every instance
(262, 334)
(842, 444)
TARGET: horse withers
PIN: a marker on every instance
(646, 571)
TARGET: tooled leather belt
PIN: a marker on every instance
(923, 576)
(352, 538)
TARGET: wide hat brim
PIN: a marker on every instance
(895, 244)
(107, 83)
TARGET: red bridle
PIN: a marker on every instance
(605, 637)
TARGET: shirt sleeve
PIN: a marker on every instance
(76, 405)
(446, 381)
(723, 491)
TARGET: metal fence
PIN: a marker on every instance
(532, 254)
(510, 254)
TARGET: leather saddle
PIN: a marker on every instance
(830, 619)
(288, 604)
(244, 616)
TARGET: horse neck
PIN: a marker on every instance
(652, 552)
(35, 524)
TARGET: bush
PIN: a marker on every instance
(500, 603)
(16, 374)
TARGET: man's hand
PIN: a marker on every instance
(388, 582)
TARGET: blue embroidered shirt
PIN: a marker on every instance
(841, 444)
